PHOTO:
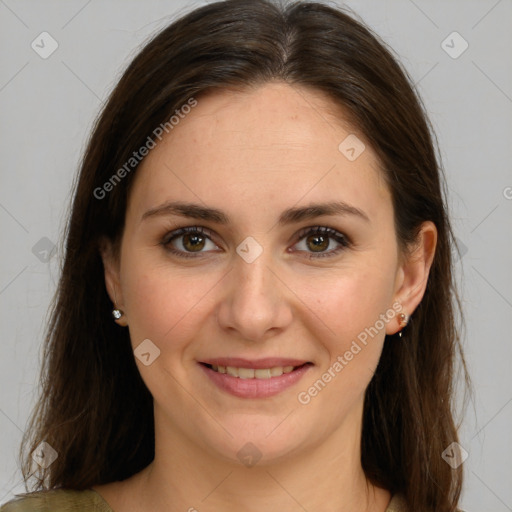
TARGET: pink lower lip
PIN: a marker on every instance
(255, 388)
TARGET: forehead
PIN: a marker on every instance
(276, 142)
(272, 118)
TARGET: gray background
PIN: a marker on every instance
(47, 108)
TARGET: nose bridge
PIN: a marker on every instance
(253, 277)
(252, 267)
(254, 304)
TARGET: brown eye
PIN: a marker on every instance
(317, 240)
(187, 242)
(193, 242)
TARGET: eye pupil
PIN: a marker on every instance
(318, 247)
(195, 243)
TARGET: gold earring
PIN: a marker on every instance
(402, 319)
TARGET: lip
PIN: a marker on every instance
(267, 362)
(255, 388)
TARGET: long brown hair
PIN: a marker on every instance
(94, 409)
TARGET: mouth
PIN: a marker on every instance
(254, 379)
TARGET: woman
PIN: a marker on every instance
(261, 209)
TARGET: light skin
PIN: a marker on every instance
(254, 154)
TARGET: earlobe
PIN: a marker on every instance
(413, 275)
(112, 281)
(119, 317)
(402, 322)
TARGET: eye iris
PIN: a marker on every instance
(318, 247)
(195, 243)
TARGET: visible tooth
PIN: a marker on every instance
(263, 373)
(277, 371)
(246, 373)
(251, 373)
(230, 370)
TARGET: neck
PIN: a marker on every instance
(327, 477)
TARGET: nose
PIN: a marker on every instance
(256, 303)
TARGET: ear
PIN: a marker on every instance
(112, 281)
(413, 272)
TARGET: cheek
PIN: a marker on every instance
(162, 304)
(351, 302)
(353, 344)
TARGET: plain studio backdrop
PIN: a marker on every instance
(458, 53)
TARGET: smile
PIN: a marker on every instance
(253, 373)
(244, 382)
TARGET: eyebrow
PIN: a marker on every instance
(288, 216)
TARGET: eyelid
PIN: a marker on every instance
(323, 229)
(175, 233)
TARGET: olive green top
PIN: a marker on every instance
(64, 500)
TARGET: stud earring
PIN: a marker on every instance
(117, 313)
(402, 319)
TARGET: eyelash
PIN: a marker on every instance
(317, 230)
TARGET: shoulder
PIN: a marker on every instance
(397, 504)
(57, 500)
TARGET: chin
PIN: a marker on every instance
(257, 441)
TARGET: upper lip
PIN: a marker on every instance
(267, 362)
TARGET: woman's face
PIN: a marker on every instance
(257, 288)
